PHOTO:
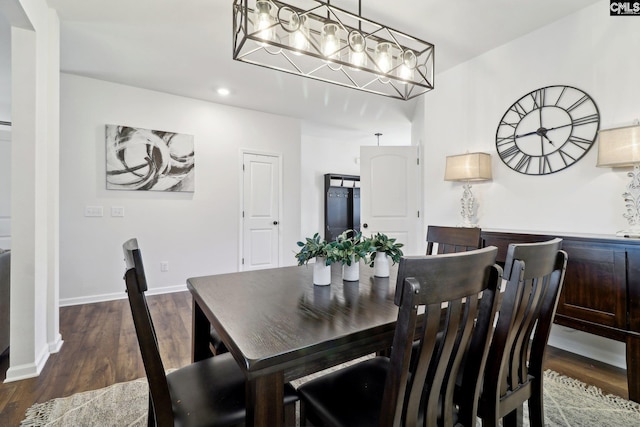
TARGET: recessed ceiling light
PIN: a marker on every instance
(223, 91)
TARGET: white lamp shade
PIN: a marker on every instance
(468, 167)
(619, 147)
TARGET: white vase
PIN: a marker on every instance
(351, 273)
(321, 272)
(381, 265)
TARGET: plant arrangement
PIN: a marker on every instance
(315, 247)
(350, 247)
(380, 242)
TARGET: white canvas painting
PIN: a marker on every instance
(144, 159)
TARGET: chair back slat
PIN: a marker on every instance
(136, 286)
(452, 239)
(449, 287)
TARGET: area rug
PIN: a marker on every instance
(568, 403)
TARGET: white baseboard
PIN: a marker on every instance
(56, 345)
(28, 370)
(65, 302)
(588, 345)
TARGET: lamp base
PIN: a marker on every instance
(632, 204)
(467, 225)
(468, 207)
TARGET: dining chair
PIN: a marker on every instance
(514, 373)
(216, 345)
(452, 239)
(210, 392)
(381, 391)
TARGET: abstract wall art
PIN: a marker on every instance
(143, 159)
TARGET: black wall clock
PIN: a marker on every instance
(547, 130)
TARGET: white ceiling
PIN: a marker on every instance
(183, 47)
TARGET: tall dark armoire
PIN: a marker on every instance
(341, 204)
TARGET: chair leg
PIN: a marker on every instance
(536, 407)
(290, 415)
(303, 414)
(514, 418)
(151, 416)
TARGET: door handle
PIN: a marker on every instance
(275, 222)
(365, 225)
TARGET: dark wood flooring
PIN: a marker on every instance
(100, 348)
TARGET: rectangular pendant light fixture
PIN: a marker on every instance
(315, 39)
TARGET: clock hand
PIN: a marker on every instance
(550, 141)
(543, 131)
(526, 134)
(558, 127)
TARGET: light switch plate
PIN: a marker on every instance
(93, 211)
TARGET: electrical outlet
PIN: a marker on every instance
(164, 266)
(117, 211)
(93, 211)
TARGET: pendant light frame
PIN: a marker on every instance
(279, 53)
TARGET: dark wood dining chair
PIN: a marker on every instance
(452, 239)
(216, 345)
(210, 392)
(514, 372)
(382, 391)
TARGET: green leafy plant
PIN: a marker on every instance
(350, 247)
(314, 247)
(380, 242)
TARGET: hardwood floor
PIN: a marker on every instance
(100, 348)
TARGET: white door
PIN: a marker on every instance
(389, 196)
(260, 210)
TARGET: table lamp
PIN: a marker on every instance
(468, 167)
(617, 148)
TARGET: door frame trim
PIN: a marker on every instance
(242, 152)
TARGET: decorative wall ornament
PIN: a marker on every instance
(144, 159)
(547, 130)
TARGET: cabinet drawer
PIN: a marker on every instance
(595, 284)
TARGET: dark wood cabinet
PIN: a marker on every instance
(601, 293)
(341, 204)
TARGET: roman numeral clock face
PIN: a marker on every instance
(547, 130)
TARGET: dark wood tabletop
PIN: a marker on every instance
(279, 326)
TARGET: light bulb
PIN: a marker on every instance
(299, 38)
(408, 62)
(264, 24)
(329, 41)
(357, 49)
(384, 59)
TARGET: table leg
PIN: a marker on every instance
(633, 367)
(200, 337)
(265, 398)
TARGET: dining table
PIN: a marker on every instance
(279, 326)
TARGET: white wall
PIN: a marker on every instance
(34, 159)
(5, 69)
(5, 189)
(197, 233)
(589, 50)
